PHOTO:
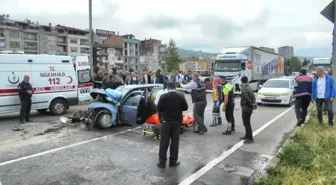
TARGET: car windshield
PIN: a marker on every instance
(277, 84)
(227, 65)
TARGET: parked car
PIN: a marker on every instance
(277, 91)
(134, 106)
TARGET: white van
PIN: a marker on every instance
(58, 81)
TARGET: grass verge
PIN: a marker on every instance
(309, 159)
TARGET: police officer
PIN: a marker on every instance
(198, 96)
(171, 106)
(25, 90)
(228, 105)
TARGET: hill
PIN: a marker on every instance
(184, 53)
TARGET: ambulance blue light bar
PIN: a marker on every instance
(30, 60)
(65, 61)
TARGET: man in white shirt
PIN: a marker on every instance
(323, 93)
(236, 81)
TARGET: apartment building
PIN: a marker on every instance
(19, 35)
(286, 51)
(131, 52)
(152, 54)
(110, 52)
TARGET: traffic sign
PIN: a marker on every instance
(329, 11)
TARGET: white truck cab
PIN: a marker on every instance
(57, 81)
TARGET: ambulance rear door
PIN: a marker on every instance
(84, 80)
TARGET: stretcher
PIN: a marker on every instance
(152, 125)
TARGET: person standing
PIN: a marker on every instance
(198, 97)
(217, 98)
(302, 94)
(248, 103)
(323, 93)
(25, 90)
(171, 106)
(228, 105)
(236, 81)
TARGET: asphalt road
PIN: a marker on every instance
(121, 155)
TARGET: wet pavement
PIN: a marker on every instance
(122, 155)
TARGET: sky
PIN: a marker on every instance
(204, 25)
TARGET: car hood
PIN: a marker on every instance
(274, 90)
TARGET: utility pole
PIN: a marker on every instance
(329, 13)
(91, 35)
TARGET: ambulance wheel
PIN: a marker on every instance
(42, 111)
(104, 119)
(58, 107)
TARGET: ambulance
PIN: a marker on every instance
(58, 81)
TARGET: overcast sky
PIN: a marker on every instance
(206, 25)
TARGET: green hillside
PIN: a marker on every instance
(184, 53)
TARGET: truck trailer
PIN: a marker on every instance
(257, 64)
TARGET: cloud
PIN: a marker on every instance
(209, 25)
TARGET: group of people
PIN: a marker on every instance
(319, 89)
(113, 78)
(171, 104)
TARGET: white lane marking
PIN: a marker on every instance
(64, 147)
(189, 180)
(71, 146)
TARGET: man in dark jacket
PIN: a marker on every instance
(171, 106)
(248, 103)
(198, 96)
(302, 93)
(25, 90)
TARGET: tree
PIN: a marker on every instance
(305, 62)
(294, 64)
(172, 57)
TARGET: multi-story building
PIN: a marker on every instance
(77, 40)
(268, 49)
(194, 64)
(152, 54)
(286, 51)
(110, 52)
(19, 35)
(131, 52)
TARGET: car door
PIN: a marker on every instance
(129, 107)
(151, 107)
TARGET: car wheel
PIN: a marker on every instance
(104, 119)
(42, 111)
(58, 107)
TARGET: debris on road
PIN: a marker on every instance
(55, 128)
(18, 128)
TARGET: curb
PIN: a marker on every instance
(274, 160)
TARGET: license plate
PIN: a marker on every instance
(270, 98)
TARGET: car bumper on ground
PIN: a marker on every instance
(280, 100)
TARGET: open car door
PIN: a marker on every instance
(129, 107)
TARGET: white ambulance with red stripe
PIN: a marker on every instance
(58, 81)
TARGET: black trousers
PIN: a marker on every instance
(237, 86)
(301, 106)
(170, 133)
(25, 108)
(229, 116)
(328, 106)
(246, 116)
(198, 112)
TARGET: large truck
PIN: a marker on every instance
(257, 64)
(325, 62)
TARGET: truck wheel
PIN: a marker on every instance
(58, 107)
(104, 119)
